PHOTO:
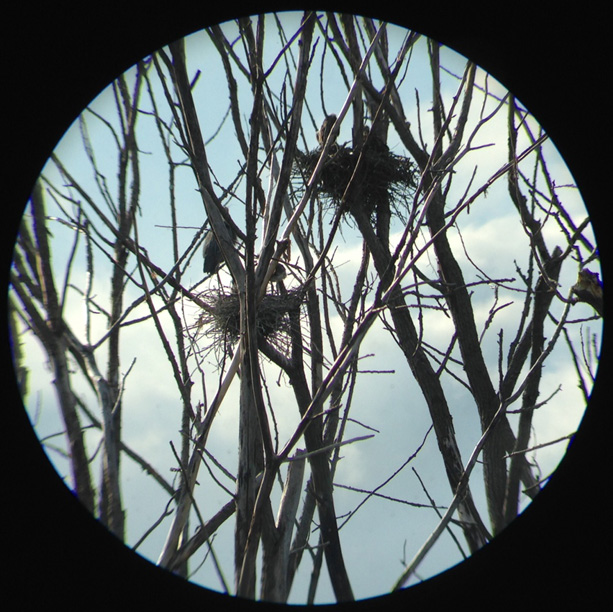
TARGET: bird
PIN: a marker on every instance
(211, 252)
(279, 274)
(325, 129)
(376, 144)
(588, 288)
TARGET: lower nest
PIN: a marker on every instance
(221, 321)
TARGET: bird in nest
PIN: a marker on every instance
(279, 274)
(325, 129)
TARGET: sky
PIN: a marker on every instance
(391, 402)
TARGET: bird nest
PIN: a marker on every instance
(382, 176)
(221, 324)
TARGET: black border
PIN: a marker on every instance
(58, 56)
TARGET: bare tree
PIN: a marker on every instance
(396, 176)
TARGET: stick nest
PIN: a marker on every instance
(382, 176)
(221, 321)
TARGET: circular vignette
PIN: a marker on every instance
(566, 471)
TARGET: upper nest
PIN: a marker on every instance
(382, 176)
